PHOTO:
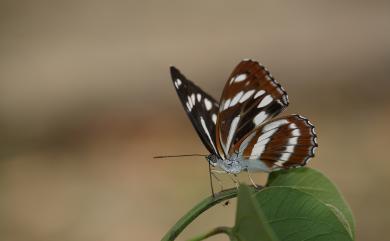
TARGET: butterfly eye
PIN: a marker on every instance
(212, 159)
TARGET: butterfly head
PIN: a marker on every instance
(230, 165)
(212, 159)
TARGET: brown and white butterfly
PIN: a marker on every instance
(239, 131)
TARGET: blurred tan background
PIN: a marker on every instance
(86, 100)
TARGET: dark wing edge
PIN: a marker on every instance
(201, 108)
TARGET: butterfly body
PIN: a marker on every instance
(239, 131)
(231, 165)
(235, 164)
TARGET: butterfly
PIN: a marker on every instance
(240, 130)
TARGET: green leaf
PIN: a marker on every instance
(251, 224)
(302, 204)
(317, 184)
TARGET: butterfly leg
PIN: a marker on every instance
(211, 181)
(250, 178)
(213, 173)
(218, 171)
(235, 180)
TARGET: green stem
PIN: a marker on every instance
(197, 210)
(215, 231)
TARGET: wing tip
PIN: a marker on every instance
(174, 71)
(270, 77)
(248, 60)
(176, 76)
(253, 61)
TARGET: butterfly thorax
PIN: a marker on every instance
(230, 165)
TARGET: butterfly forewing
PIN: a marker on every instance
(281, 143)
(201, 108)
(250, 97)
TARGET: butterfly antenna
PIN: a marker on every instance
(211, 181)
(157, 157)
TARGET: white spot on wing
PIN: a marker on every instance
(208, 104)
(226, 105)
(190, 102)
(265, 101)
(259, 118)
(178, 83)
(278, 163)
(262, 141)
(203, 123)
(245, 143)
(293, 141)
(257, 151)
(267, 134)
(214, 118)
(288, 152)
(232, 130)
(236, 98)
(274, 125)
(240, 78)
(285, 157)
(193, 99)
(259, 93)
(289, 148)
(296, 132)
(246, 96)
(198, 97)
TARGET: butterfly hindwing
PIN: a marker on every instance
(201, 108)
(281, 143)
(250, 97)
